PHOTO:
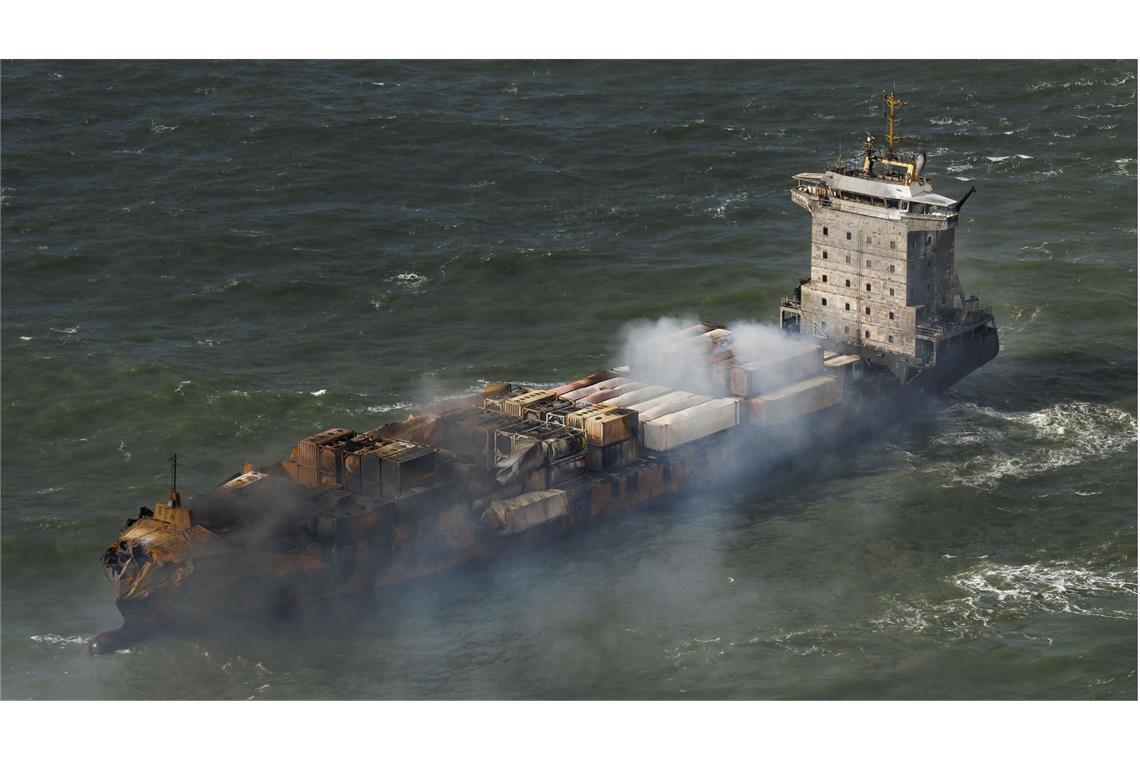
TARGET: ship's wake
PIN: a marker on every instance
(981, 447)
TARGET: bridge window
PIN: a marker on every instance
(866, 333)
(891, 269)
(825, 278)
(846, 329)
(870, 264)
(868, 287)
(847, 306)
(890, 315)
(892, 291)
(824, 230)
(928, 239)
(890, 339)
(892, 244)
(868, 238)
(848, 235)
(825, 254)
(823, 301)
(849, 258)
(847, 283)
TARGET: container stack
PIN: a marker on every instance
(788, 384)
(543, 454)
(309, 454)
(796, 362)
(611, 435)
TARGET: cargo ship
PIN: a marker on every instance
(880, 316)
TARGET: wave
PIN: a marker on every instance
(1025, 444)
(413, 282)
(60, 641)
(996, 592)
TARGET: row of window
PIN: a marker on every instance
(866, 309)
(929, 238)
(869, 263)
(847, 284)
(866, 333)
(869, 238)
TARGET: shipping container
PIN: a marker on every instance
(392, 466)
(843, 367)
(537, 412)
(604, 396)
(514, 406)
(602, 385)
(641, 394)
(604, 424)
(796, 400)
(525, 511)
(675, 404)
(763, 375)
(582, 382)
(309, 446)
(670, 397)
(567, 468)
(615, 455)
(677, 429)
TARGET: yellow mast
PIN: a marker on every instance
(892, 103)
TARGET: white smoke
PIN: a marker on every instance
(678, 352)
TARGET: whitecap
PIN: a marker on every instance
(385, 408)
(66, 330)
(60, 641)
(26, 337)
(996, 159)
(1026, 444)
(321, 392)
(410, 281)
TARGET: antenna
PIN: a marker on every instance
(175, 500)
(892, 121)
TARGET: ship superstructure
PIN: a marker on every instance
(883, 283)
(881, 313)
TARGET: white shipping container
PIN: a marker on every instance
(797, 400)
(641, 406)
(687, 401)
(677, 429)
(641, 394)
(598, 397)
(604, 385)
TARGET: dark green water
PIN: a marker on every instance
(218, 258)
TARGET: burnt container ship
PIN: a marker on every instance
(880, 316)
